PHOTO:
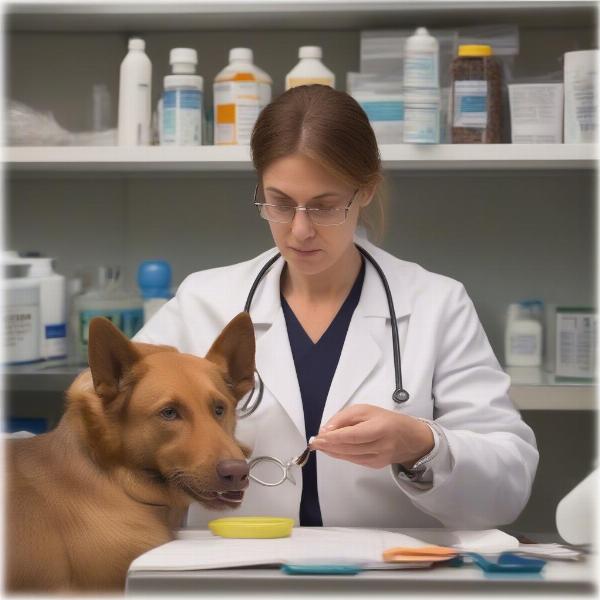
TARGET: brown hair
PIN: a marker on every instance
(330, 127)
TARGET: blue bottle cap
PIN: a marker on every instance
(154, 279)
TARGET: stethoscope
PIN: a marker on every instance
(400, 395)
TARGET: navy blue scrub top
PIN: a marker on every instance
(315, 366)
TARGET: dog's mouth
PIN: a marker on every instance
(233, 497)
(211, 498)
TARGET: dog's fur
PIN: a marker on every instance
(116, 475)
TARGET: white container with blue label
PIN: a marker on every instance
(182, 102)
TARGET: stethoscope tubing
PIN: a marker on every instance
(399, 396)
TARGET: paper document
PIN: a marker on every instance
(200, 549)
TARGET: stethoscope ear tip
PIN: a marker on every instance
(400, 396)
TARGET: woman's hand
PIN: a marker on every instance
(374, 437)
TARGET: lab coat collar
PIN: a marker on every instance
(373, 302)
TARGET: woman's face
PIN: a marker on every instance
(300, 181)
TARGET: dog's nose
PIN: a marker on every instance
(234, 473)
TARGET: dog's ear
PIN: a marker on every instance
(234, 351)
(110, 356)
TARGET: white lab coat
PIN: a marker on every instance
(448, 368)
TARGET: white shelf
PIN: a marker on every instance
(532, 389)
(214, 159)
(535, 389)
(167, 15)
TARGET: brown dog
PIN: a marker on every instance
(146, 430)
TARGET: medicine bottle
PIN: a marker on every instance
(182, 101)
(421, 60)
(310, 69)
(476, 96)
(154, 281)
(523, 337)
(135, 86)
(240, 91)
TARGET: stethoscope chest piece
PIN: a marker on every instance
(400, 396)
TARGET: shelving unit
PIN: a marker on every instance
(401, 157)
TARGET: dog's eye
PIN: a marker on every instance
(219, 410)
(169, 413)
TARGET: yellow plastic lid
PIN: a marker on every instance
(252, 527)
(474, 50)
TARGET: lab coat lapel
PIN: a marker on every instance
(359, 356)
(274, 360)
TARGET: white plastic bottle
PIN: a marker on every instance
(421, 60)
(240, 91)
(523, 338)
(181, 110)
(310, 69)
(135, 87)
(53, 307)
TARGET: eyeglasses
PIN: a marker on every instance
(285, 213)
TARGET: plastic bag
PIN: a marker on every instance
(28, 127)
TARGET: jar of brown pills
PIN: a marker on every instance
(476, 96)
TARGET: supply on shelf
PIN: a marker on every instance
(52, 328)
(21, 321)
(476, 96)
(421, 89)
(536, 113)
(154, 281)
(29, 127)
(108, 299)
(240, 91)
(581, 100)
(421, 60)
(523, 337)
(135, 89)
(382, 99)
(181, 107)
(576, 342)
(310, 69)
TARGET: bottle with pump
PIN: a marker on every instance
(154, 281)
(181, 110)
(135, 87)
(240, 91)
(310, 69)
(523, 339)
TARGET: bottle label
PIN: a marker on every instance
(21, 333)
(421, 125)
(420, 70)
(55, 341)
(236, 111)
(296, 81)
(524, 345)
(389, 110)
(182, 117)
(470, 104)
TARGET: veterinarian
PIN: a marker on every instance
(452, 450)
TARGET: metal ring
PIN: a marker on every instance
(272, 459)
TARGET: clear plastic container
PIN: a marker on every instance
(476, 96)
(107, 299)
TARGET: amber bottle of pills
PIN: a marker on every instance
(476, 96)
